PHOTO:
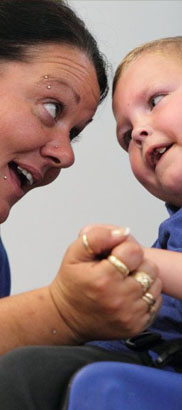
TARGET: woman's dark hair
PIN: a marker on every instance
(25, 23)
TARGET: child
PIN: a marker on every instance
(147, 104)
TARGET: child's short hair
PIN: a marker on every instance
(162, 45)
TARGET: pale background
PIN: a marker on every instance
(99, 188)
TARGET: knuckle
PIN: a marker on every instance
(135, 249)
(131, 253)
(136, 252)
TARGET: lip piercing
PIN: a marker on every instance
(56, 146)
(5, 177)
(49, 86)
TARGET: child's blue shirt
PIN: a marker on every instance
(169, 320)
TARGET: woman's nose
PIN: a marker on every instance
(58, 153)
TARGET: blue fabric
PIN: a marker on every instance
(169, 320)
(4, 272)
(123, 386)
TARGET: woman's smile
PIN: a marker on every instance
(44, 105)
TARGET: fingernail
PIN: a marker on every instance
(121, 232)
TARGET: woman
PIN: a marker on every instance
(52, 80)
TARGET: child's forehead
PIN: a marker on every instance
(150, 66)
(148, 74)
(168, 51)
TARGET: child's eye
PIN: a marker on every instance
(53, 109)
(126, 139)
(155, 100)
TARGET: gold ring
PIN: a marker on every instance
(149, 299)
(144, 279)
(120, 266)
(85, 242)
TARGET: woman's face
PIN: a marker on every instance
(44, 105)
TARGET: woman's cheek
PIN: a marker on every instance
(50, 176)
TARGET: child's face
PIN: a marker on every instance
(147, 105)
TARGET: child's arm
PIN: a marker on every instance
(169, 264)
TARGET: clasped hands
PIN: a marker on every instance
(94, 297)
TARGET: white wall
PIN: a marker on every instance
(100, 186)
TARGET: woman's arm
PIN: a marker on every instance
(88, 300)
(31, 318)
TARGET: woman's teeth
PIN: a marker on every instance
(27, 174)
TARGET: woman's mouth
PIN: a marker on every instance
(25, 177)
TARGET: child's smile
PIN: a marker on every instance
(147, 104)
(153, 156)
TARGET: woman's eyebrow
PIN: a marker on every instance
(59, 82)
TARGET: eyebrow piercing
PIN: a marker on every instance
(46, 78)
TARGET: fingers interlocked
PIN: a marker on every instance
(144, 279)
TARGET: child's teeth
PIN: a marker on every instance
(161, 150)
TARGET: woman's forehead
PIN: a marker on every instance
(65, 61)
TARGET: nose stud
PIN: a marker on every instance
(5, 177)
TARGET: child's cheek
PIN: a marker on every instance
(137, 168)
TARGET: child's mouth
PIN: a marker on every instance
(157, 153)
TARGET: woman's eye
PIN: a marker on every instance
(155, 100)
(126, 139)
(53, 109)
(74, 135)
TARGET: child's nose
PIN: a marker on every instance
(139, 134)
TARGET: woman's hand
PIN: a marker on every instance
(93, 298)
